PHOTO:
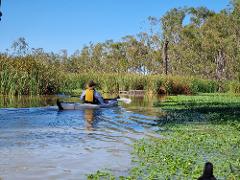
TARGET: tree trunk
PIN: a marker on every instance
(165, 56)
(220, 61)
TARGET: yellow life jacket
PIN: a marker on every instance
(89, 96)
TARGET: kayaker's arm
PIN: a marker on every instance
(99, 97)
(82, 95)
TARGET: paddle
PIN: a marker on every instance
(125, 100)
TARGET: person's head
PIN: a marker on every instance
(208, 169)
(91, 84)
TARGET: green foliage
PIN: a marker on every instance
(200, 101)
(183, 150)
(109, 84)
(72, 81)
(203, 86)
(101, 175)
(177, 85)
(112, 83)
(154, 85)
(138, 82)
(234, 87)
(195, 129)
(124, 82)
(28, 75)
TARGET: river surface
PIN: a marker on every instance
(39, 142)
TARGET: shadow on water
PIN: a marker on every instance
(203, 112)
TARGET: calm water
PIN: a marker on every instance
(39, 142)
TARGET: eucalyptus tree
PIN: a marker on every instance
(235, 20)
(117, 57)
(150, 48)
(171, 24)
(218, 42)
(155, 39)
(63, 58)
(79, 61)
(75, 62)
(136, 54)
(97, 57)
(199, 15)
(187, 55)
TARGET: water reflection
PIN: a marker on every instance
(91, 117)
(26, 101)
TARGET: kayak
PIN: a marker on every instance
(75, 106)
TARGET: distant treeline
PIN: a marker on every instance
(186, 42)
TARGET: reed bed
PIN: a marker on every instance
(28, 76)
(152, 84)
(40, 76)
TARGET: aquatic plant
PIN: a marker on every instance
(28, 76)
(194, 130)
(101, 175)
(185, 148)
(33, 75)
(150, 83)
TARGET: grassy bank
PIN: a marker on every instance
(195, 129)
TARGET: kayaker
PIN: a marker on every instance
(90, 95)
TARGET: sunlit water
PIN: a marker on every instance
(44, 143)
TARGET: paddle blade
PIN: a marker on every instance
(125, 100)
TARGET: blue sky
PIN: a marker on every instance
(70, 24)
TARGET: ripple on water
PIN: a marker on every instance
(47, 143)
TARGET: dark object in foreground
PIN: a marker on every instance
(59, 105)
(207, 172)
(0, 11)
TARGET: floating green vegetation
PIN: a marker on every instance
(214, 108)
(200, 101)
(185, 149)
(100, 175)
(195, 129)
